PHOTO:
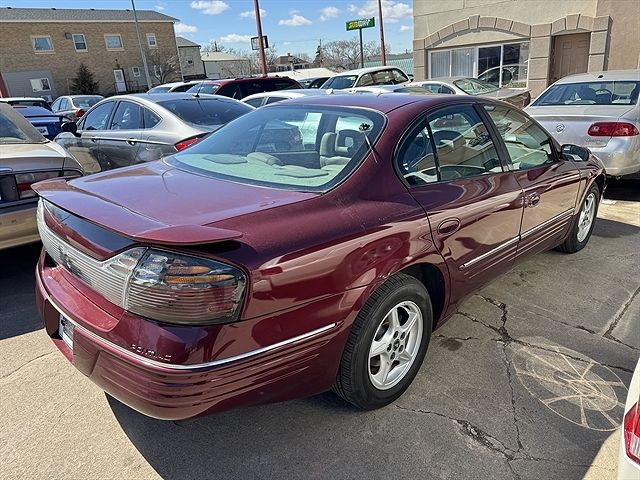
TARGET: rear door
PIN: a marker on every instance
(549, 182)
(474, 204)
(85, 144)
(121, 142)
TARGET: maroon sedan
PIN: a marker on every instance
(247, 269)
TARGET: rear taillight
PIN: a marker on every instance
(79, 113)
(25, 180)
(631, 428)
(186, 143)
(612, 129)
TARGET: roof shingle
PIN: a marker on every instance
(10, 14)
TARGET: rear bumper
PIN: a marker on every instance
(18, 226)
(621, 156)
(294, 366)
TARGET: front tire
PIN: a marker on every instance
(387, 344)
(584, 222)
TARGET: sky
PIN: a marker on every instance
(292, 26)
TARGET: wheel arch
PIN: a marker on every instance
(435, 282)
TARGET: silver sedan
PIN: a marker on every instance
(597, 110)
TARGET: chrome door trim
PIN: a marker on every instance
(502, 246)
(194, 366)
(561, 216)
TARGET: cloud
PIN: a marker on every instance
(252, 14)
(160, 6)
(328, 12)
(392, 11)
(210, 7)
(406, 28)
(184, 28)
(235, 38)
(295, 21)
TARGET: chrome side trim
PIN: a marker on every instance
(557, 218)
(195, 366)
(490, 252)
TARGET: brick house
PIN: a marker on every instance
(531, 43)
(43, 49)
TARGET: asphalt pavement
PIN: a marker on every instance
(527, 381)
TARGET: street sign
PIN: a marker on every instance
(255, 45)
(361, 23)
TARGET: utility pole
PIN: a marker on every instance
(144, 58)
(383, 54)
(263, 59)
(361, 49)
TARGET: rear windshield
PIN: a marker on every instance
(471, 86)
(291, 147)
(340, 82)
(86, 102)
(620, 92)
(206, 111)
(14, 128)
(204, 88)
(30, 103)
(159, 90)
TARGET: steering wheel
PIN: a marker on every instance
(421, 153)
(604, 90)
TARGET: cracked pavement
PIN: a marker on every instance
(526, 381)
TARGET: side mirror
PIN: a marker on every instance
(70, 127)
(575, 153)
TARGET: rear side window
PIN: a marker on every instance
(528, 145)
(437, 88)
(281, 85)
(205, 88)
(274, 100)
(149, 119)
(255, 102)
(205, 111)
(232, 91)
(182, 88)
(97, 118)
(128, 116)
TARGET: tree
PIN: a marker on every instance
(84, 82)
(345, 54)
(163, 65)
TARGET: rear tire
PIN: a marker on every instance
(387, 344)
(584, 222)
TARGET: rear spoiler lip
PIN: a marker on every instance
(126, 222)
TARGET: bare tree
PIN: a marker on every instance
(345, 54)
(163, 65)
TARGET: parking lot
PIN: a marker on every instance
(528, 380)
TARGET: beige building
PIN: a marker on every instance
(41, 50)
(524, 43)
(225, 65)
(190, 61)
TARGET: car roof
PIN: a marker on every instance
(291, 93)
(173, 84)
(31, 99)
(608, 75)
(361, 71)
(159, 97)
(33, 111)
(381, 102)
(253, 78)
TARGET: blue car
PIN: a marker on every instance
(46, 122)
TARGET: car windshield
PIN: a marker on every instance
(299, 148)
(471, 86)
(606, 92)
(86, 102)
(341, 81)
(204, 88)
(206, 111)
(14, 128)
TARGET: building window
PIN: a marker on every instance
(135, 71)
(189, 59)
(151, 40)
(42, 44)
(40, 84)
(502, 65)
(79, 42)
(113, 42)
(157, 71)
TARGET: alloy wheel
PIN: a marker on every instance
(585, 219)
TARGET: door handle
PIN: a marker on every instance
(449, 226)
(94, 139)
(131, 141)
(532, 200)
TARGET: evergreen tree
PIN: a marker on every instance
(84, 83)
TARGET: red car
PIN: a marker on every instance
(244, 86)
(247, 270)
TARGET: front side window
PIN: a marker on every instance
(97, 118)
(42, 44)
(527, 143)
(113, 42)
(606, 92)
(128, 116)
(79, 42)
(299, 148)
(151, 40)
(463, 146)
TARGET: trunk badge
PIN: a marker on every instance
(560, 128)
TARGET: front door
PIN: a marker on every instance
(570, 54)
(474, 205)
(549, 182)
(121, 84)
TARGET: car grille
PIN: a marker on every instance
(103, 277)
